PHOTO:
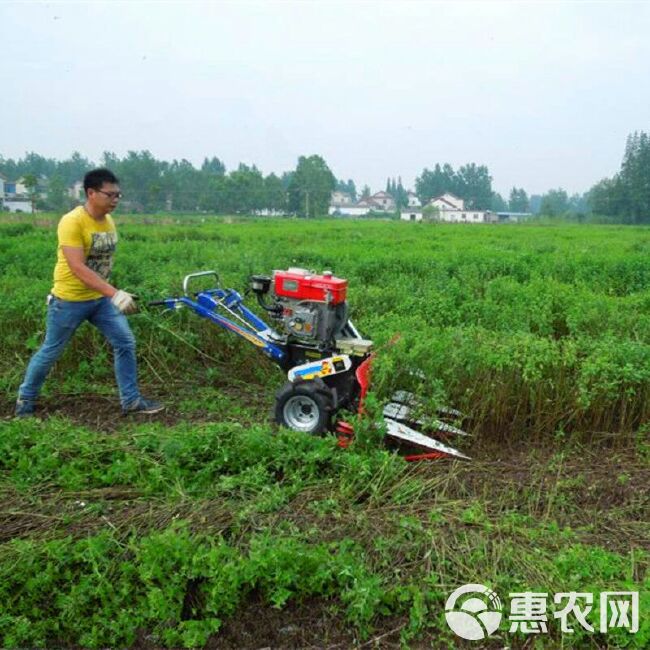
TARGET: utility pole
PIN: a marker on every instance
(307, 203)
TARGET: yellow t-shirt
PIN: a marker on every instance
(97, 238)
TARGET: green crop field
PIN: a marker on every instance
(208, 525)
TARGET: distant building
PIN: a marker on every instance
(447, 201)
(18, 204)
(341, 198)
(15, 189)
(451, 209)
(2, 190)
(411, 214)
(513, 217)
(358, 209)
(269, 212)
(76, 191)
(341, 205)
(413, 200)
(43, 186)
(384, 201)
(413, 210)
(19, 187)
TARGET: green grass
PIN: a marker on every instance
(170, 528)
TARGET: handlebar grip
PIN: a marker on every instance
(156, 303)
(200, 274)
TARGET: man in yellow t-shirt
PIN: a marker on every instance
(81, 292)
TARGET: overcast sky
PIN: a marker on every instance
(542, 93)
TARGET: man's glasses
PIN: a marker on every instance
(111, 195)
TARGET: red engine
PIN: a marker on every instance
(300, 284)
(311, 308)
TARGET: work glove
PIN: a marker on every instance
(124, 302)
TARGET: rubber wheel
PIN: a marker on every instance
(304, 406)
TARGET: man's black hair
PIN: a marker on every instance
(95, 178)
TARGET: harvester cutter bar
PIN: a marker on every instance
(404, 434)
(402, 413)
(409, 399)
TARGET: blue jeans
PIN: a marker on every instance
(63, 319)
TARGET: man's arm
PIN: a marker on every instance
(76, 260)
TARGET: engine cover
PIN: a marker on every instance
(300, 284)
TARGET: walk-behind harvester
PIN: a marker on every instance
(328, 363)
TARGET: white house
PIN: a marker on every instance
(2, 190)
(341, 204)
(341, 198)
(384, 201)
(513, 217)
(348, 210)
(76, 191)
(447, 201)
(16, 204)
(411, 214)
(21, 188)
(360, 208)
(413, 200)
(467, 216)
(269, 212)
(451, 209)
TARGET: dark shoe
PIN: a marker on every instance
(142, 405)
(25, 408)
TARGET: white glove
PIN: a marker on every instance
(124, 302)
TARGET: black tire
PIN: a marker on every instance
(304, 406)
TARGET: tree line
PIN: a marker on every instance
(151, 185)
(626, 196)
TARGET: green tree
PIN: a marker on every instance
(275, 196)
(471, 182)
(286, 180)
(73, 169)
(607, 198)
(578, 204)
(141, 180)
(554, 203)
(635, 177)
(57, 196)
(212, 194)
(213, 166)
(497, 204)
(475, 186)
(9, 168)
(535, 203)
(433, 183)
(185, 187)
(37, 165)
(311, 187)
(518, 200)
(30, 181)
(397, 191)
(246, 190)
(431, 213)
(348, 187)
(626, 196)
